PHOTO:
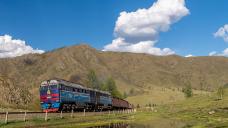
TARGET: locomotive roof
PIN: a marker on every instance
(71, 84)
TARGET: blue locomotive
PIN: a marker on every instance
(57, 95)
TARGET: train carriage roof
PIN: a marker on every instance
(70, 84)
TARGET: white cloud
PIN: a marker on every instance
(189, 55)
(223, 53)
(14, 47)
(222, 33)
(120, 45)
(138, 31)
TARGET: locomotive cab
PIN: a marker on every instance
(49, 96)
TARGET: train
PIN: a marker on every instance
(62, 95)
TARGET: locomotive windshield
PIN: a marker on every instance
(53, 87)
(43, 88)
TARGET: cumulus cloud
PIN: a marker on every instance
(14, 47)
(222, 33)
(223, 53)
(120, 45)
(138, 31)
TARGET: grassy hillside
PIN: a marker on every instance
(201, 111)
(20, 77)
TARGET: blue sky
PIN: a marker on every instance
(49, 24)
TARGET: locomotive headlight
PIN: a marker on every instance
(48, 92)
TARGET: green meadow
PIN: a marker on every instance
(200, 111)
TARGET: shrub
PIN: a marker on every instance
(220, 92)
(188, 91)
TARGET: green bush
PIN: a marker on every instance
(220, 92)
(187, 90)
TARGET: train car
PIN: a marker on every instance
(73, 96)
(58, 94)
(104, 100)
(118, 103)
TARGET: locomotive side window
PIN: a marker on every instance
(87, 91)
(69, 89)
(62, 87)
(75, 90)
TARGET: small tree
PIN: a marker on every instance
(103, 86)
(110, 86)
(220, 92)
(93, 80)
(188, 90)
(138, 106)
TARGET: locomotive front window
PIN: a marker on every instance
(53, 87)
(43, 88)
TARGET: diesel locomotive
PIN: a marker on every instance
(61, 95)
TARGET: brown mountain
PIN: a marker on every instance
(20, 77)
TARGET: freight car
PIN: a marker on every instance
(118, 103)
(61, 95)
